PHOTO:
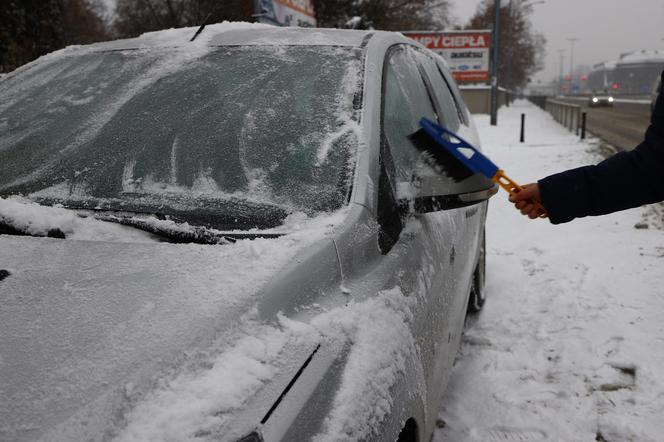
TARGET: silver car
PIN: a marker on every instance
(232, 238)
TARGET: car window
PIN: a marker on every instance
(223, 133)
(405, 101)
(464, 114)
(449, 114)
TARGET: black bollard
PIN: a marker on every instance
(583, 125)
(523, 128)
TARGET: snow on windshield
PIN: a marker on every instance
(162, 128)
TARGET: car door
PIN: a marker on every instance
(452, 116)
(427, 246)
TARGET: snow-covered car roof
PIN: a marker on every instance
(231, 34)
(240, 33)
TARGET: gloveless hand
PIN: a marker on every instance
(524, 199)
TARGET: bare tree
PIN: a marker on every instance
(391, 15)
(28, 29)
(31, 28)
(521, 52)
(83, 22)
(133, 17)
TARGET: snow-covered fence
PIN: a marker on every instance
(569, 115)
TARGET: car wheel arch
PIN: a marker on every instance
(410, 431)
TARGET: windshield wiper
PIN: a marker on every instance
(175, 228)
(180, 234)
(7, 228)
(222, 215)
(172, 233)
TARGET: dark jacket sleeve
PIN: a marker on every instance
(625, 180)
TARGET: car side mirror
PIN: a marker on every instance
(435, 193)
(439, 181)
(446, 202)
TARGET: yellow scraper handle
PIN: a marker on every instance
(513, 188)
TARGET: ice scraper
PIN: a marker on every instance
(473, 160)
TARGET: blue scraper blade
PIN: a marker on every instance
(462, 150)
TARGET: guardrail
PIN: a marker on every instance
(538, 100)
(569, 115)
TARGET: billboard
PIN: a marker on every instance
(286, 12)
(467, 52)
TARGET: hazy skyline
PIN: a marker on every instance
(603, 34)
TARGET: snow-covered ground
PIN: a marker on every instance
(570, 345)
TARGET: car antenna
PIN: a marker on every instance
(205, 22)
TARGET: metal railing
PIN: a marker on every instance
(569, 115)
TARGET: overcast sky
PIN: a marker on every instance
(605, 28)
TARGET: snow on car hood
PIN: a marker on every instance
(83, 322)
(192, 405)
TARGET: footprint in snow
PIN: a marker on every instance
(479, 341)
(531, 267)
(511, 434)
(614, 374)
(582, 271)
(611, 347)
(536, 251)
(624, 377)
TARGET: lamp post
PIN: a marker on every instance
(560, 76)
(571, 61)
(494, 64)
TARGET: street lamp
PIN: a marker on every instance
(560, 77)
(571, 61)
(494, 64)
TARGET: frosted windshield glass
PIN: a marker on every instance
(253, 132)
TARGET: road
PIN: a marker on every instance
(622, 125)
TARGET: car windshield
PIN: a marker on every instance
(231, 137)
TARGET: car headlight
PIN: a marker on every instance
(595, 99)
(610, 99)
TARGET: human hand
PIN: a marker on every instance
(525, 200)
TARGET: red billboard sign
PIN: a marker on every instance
(466, 52)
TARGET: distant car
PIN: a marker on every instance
(232, 238)
(655, 93)
(603, 98)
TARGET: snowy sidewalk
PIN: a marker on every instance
(570, 346)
